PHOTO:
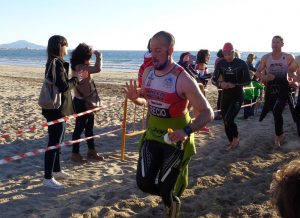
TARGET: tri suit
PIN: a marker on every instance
(164, 167)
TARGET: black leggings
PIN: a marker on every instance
(158, 169)
(230, 107)
(56, 136)
(85, 122)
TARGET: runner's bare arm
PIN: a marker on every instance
(188, 88)
(261, 67)
(200, 104)
(260, 72)
(292, 71)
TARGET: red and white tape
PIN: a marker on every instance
(66, 118)
(245, 105)
(43, 150)
(245, 88)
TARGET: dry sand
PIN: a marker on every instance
(221, 183)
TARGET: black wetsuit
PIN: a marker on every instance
(278, 92)
(237, 73)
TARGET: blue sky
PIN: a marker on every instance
(128, 24)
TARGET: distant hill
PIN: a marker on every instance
(21, 44)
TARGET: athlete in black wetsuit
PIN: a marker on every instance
(279, 66)
(231, 74)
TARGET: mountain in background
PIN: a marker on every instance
(21, 44)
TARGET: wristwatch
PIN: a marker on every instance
(188, 130)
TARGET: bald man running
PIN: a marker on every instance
(280, 75)
(167, 89)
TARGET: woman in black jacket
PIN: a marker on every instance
(57, 49)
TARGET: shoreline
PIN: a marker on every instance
(105, 76)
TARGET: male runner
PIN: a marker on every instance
(167, 89)
(280, 74)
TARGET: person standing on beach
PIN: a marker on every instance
(202, 60)
(251, 93)
(164, 155)
(57, 49)
(250, 59)
(147, 63)
(218, 116)
(279, 68)
(231, 74)
(80, 61)
(186, 61)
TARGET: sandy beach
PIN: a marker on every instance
(221, 183)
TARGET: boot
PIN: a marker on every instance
(92, 154)
(76, 157)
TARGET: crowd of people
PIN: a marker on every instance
(171, 90)
(238, 83)
(273, 81)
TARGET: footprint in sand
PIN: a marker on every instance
(87, 201)
(113, 169)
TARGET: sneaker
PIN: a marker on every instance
(62, 175)
(52, 183)
(92, 154)
(78, 158)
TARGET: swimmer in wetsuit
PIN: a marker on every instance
(231, 74)
(280, 75)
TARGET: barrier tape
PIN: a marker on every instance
(245, 105)
(43, 150)
(46, 124)
(245, 88)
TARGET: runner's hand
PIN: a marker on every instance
(131, 90)
(268, 77)
(293, 84)
(227, 85)
(178, 136)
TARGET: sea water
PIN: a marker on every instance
(119, 61)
